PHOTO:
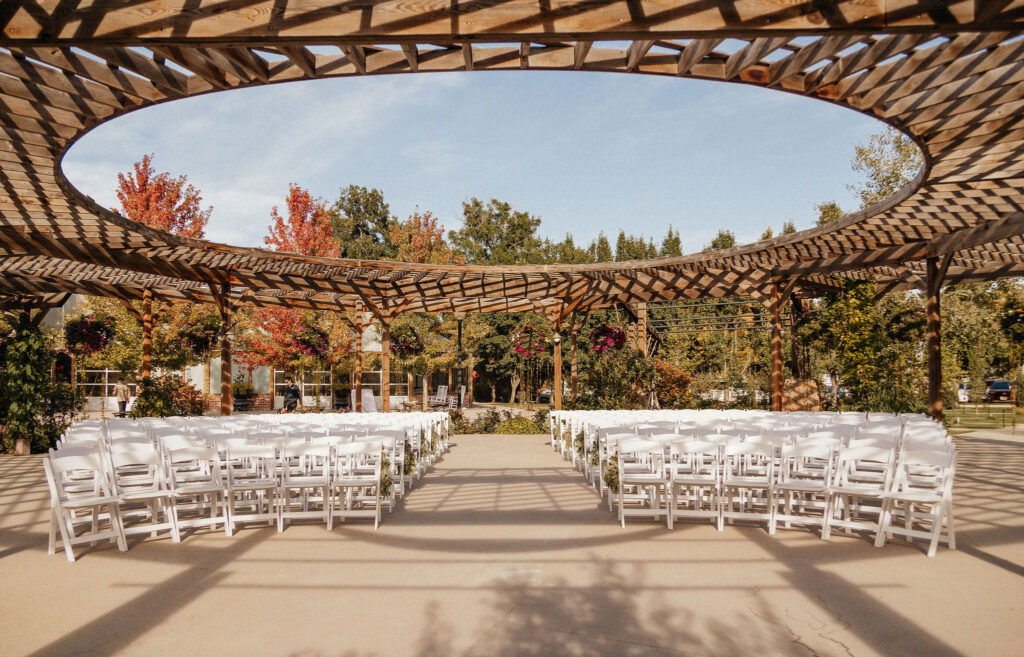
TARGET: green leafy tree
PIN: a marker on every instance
(828, 212)
(601, 250)
(33, 407)
(672, 245)
(767, 234)
(725, 239)
(495, 234)
(887, 162)
(363, 224)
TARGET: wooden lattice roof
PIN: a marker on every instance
(950, 74)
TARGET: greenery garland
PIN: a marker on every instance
(611, 474)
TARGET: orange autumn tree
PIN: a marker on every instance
(305, 227)
(160, 201)
(420, 238)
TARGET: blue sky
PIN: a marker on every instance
(586, 152)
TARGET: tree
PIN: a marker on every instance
(767, 234)
(420, 238)
(601, 250)
(633, 247)
(160, 201)
(888, 161)
(725, 239)
(828, 212)
(496, 234)
(672, 244)
(566, 252)
(363, 224)
(33, 407)
(307, 228)
(788, 227)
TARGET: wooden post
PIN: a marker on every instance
(641, 328)
(385, 367)
(224, 303)
(426, 384)
(794, 348)
(775, 309)
(574, 364)
(470, 368)
(147, 333)
(410, 388)
(936, 272)
(558, 371)
(358, 374)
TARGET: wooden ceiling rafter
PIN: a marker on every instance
(954, 80)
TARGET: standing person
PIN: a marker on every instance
(292, 395)
(123, 394)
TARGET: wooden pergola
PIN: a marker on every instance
(948, 74)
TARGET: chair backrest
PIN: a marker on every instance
(924, 469)
(79, 474)
(865, 461)
(369, 403)
(136, 465)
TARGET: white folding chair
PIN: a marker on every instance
(355, 483)
(747, 475)
(198, 486)
(305, 480)
(252, 484)
(922, 479)
(802, 491)
(693, 480)
(140, 481)
(79, 501)
(861, 482)
(643, 483)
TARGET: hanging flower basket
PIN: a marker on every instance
(200, 337)
(907, 325)
(529, 341)
(607, 337)
(405, 344)
(87, 335)
(312, 341)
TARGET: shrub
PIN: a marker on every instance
(517, 425)
(241, 388)
(166, 395)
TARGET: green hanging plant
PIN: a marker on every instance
(611, 474)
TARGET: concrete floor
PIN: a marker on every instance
(503, 550)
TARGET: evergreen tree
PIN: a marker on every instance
(363, 224)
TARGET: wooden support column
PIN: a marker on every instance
(641, 328)
(470, 369)
(558, 370)
(147, 333)
(224, 305)
(936, 273)
(358, 373)
(426, 392)
(794, 348)
(385, 367)
(775, 308)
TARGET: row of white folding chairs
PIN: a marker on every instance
(137, 489)
(862, 487)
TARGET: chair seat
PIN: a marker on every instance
(803, 486)
(921, 496)
(306, 482)
(92, 500)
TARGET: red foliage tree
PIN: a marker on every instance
(162, 202)
(307, 229)
(420, 238)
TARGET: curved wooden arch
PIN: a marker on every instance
(948, 73)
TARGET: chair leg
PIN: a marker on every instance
(51, 546)
(114, 510)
